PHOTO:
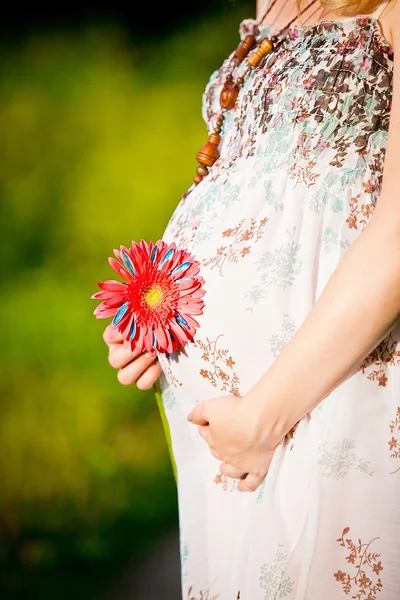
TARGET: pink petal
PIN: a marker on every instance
(193, 324)
(177, 260)
(119, 269)
(161, 337)
(112, 286)
(170, 346)
(161, 245)
(116, 300)
(141, 341)
(192, 271)
(145, 249)
(148, 339)
(102, 295)
(190, 290)
(178, 332)
(190, 308)
(126, 322)
(186, 285)
(102, 313)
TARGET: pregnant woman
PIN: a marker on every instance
(284, 410)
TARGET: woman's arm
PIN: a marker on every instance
(357, 308)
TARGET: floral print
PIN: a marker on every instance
(339, 460)
(273, 578)
(279, 267)
(386, 354)
(240, 244)
(206, 595)
(278, 342)
(359, 214)
(297, 181)
(227, 484)
(394, 442)
(364, 581)
(220, 373)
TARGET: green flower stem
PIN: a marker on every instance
(157, 391)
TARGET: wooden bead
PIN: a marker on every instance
(197, 179)
(264, 48)
(214, 138)
(209, 153)
(202, 170)
(229, 94)
(244, 48)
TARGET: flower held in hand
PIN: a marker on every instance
(153, 307)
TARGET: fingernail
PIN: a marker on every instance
(190, 416)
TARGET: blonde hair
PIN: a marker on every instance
(346, 8)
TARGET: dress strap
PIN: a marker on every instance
(378, 11)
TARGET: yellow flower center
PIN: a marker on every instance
(153, 296)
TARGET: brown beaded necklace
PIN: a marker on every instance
(209, 153)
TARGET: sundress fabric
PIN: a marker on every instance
(297, 181)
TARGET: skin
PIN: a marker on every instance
(243, 432)
(141, 369)
(284, 10)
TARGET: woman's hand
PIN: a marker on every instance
(141, 369)
(238, 436)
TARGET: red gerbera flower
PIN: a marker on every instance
(153, 307)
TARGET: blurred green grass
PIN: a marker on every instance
(98, 144)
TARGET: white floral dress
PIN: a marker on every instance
(300, 172)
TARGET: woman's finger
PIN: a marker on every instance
(215, 454)
(204, 431)
(251, 482)
(111, 335)
(149, 377)
(119, 357)
(231, 471)
(131, 372)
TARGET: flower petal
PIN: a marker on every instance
(118, 268)
(121, 313)
(162, 339)
(112, 286)
(153, 255)
(103, 295)
(181, 320)
(168, 255)
(132, 331)
(137, 345)
(191, 323)
(114, 301)
(128, 263)
(148, 340)
(191, 308)
(103, 313)
(178, 332)
(181, 268)
(183, 279)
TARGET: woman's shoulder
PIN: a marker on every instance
(392, 20)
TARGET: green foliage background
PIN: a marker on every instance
(98, 143)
